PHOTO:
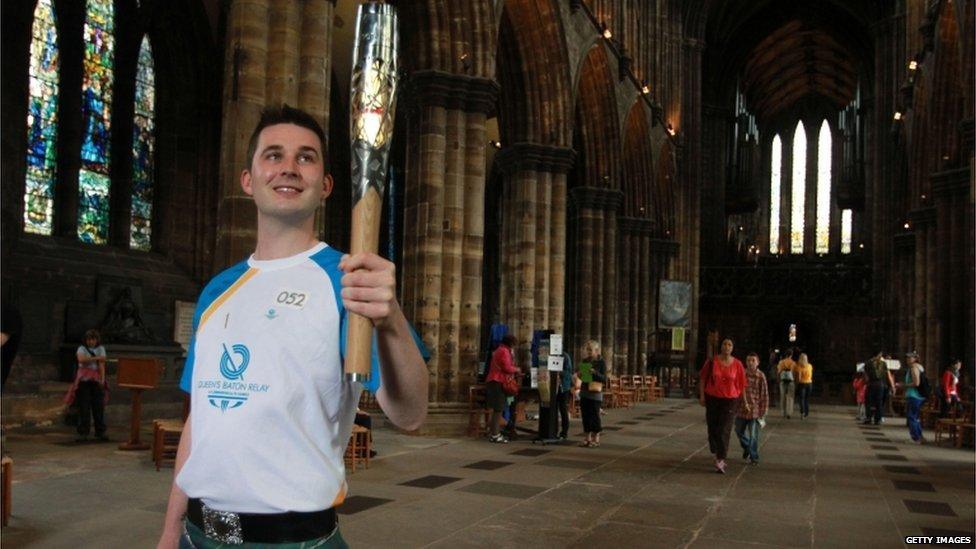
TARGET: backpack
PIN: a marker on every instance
(924, 388)
(874, 369)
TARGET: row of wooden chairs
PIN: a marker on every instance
(626, 390)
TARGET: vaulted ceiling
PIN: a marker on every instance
(794, 62)
(784, 53)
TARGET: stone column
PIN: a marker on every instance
(625, 286)
(904, 262)
(267, 61)
(596, 209)
(533, 238)
(444, 223)
(950, 190)
(557, 250)
(636, 290)
(923, 224)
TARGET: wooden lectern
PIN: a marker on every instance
(137, 374)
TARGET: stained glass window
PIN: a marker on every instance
(42, 122)
(799, 188)
(96, 89)
(142, 150)
(823, 189)
(846, 230)
(775, 198)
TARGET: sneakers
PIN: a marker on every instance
(745, 455)
(498, 439)
(720, 466)
(753, 462)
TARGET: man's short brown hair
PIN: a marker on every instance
(283, 114)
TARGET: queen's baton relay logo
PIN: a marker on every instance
(232, 392)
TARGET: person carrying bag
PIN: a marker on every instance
(500, 384)
(787, 387)
(592, 373)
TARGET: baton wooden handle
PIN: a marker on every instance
(364, 239)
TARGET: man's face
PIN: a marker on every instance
(752, 362)
(287, 176)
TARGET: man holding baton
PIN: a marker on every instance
(261, 455)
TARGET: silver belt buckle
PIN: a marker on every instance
(222, 526)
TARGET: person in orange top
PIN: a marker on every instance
(784, 370)
(803, 371)
(722, 380)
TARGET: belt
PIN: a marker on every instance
(238, 528)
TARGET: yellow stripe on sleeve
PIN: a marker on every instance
(249, 274)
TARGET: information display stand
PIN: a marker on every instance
(548, 409)
(137, 375)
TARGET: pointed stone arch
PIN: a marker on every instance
(533, 70)
(638, 163)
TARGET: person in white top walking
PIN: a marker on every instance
(261, 455)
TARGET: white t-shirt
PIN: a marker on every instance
(83, 351)
(271, 408)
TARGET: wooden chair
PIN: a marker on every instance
(929, 413)
(479, 415)
(357, 453)
(166, 441)
(948, 427)
(640, 388)
(574, 405)
(6, 472)
(367, 402)
(966, 435)
(620, 397)
(898, 404)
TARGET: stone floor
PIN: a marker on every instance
(823, 482)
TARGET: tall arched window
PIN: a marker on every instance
(823, 189)
(846, 230)
(96, 89)
(142, 150)
(798, 193)
(775, 168)
(42, 122)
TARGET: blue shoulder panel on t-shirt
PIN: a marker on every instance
(213, 290)
(329, 259)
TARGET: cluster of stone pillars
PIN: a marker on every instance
(276, 52)
(933, 274)
(533, 239)
(596, 268)
(444, 223)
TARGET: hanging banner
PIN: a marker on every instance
(677, 339)
(674, 306)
